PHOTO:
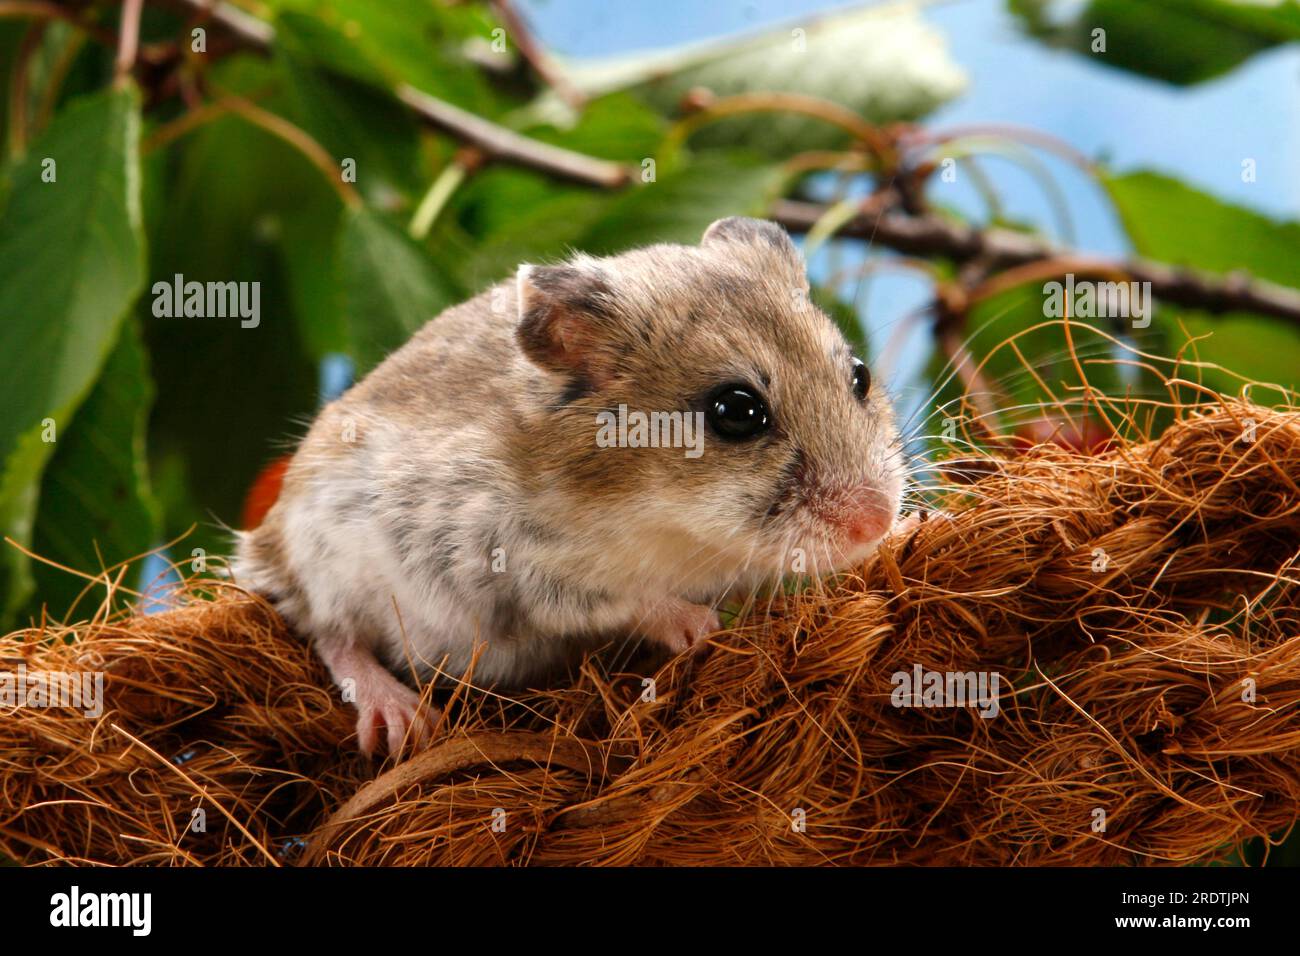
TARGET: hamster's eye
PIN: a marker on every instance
(737, 412)
(861, 379)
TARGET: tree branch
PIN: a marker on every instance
(48, 10)
(930, 235)
(495, 141)
(505, 144)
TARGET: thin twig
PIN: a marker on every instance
(297, 138)
(128, 40)
(467, 160)
(47, 10)
(495, 141)
(186, 123)
(18, 94)
(532, 51)
(930, 235)
(505, 144)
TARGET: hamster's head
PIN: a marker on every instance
(702, 406)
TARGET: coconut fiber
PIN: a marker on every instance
(1084, 659)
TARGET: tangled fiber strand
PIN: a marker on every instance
(1139, 608)
(210, 705)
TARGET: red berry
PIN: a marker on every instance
(264, 492)
(1089, 436)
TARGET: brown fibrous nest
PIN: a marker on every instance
(1139, 607)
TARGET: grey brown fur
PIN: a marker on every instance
(454, 506)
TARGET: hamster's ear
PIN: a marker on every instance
(567, 320)
(759, 233)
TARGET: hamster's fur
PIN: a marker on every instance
(455, 505)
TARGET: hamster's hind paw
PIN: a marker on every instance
(396, 709)
(382, 701)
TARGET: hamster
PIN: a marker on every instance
(490, 493)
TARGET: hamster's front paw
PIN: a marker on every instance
(678, 625)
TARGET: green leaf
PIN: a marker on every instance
(885, 63)
(1172, 222)
(516, 216)
(400, 41)
(352, 121)
(390, 286)
(497, 196)
(307, 38)
(230, 399)
(96, 508)
(235, 179)
(618, 127)
(681, 203)
(71, 263)
(1194, 40)
(307, 248)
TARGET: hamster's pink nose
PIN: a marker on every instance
(863, 517)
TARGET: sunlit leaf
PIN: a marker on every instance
(390, 286)
(71, 263)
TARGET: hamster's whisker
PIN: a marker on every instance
(950, 368)
(980, 416)
(1110, 345)
(777, 586)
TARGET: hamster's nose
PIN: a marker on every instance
(864, 515)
